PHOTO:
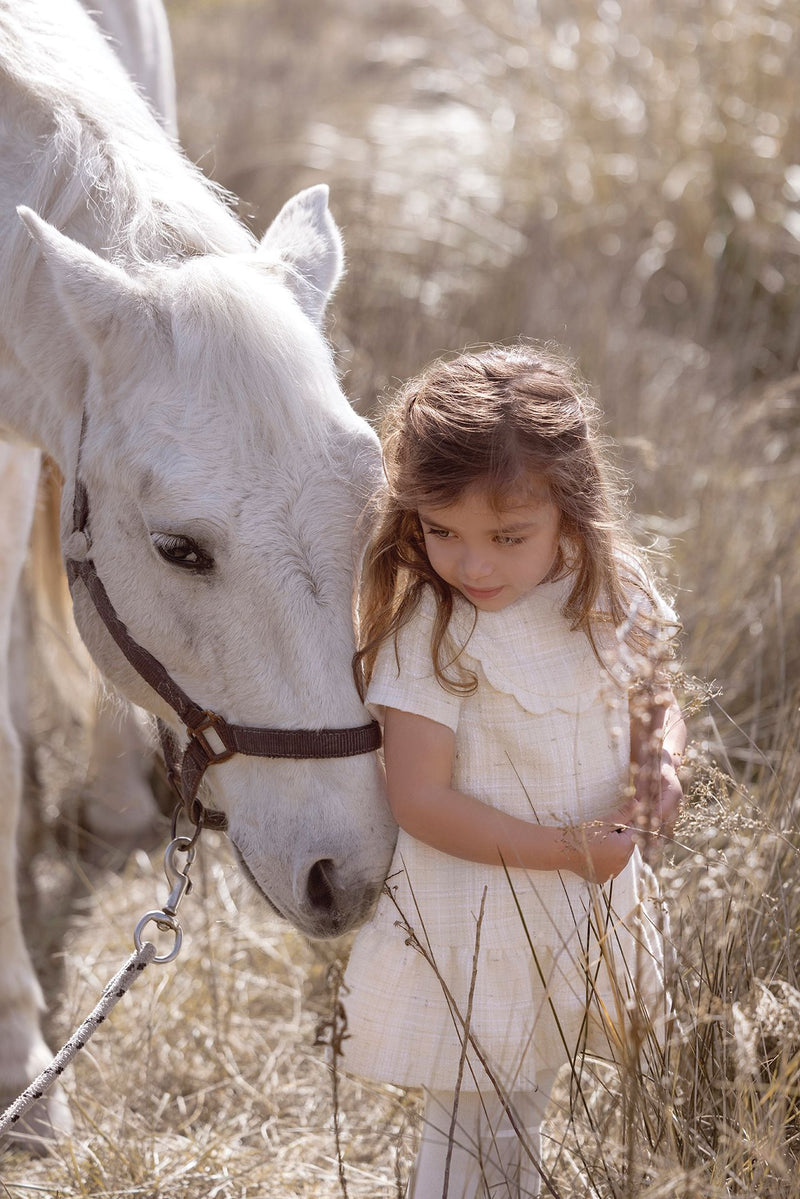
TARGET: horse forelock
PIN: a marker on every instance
(239, 336)
(241, 388)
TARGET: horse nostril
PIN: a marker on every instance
(319, 886)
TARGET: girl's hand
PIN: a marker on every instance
(601, 850)
(658, 795)
(658, 739)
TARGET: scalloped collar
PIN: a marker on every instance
(529, 651)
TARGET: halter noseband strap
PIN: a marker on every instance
(211, 738)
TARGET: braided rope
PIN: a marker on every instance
(116, 988)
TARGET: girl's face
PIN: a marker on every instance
(492, 556)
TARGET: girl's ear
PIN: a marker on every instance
(306, 243)
(95, 295)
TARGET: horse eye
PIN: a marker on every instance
(182, 552)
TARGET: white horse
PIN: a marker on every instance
(148, 344)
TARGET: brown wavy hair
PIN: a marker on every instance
(495, 418)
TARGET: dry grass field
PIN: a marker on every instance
(623, 179)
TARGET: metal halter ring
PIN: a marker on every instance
(166, 923)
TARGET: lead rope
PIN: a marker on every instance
(165, 919)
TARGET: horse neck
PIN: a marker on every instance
(99, 167)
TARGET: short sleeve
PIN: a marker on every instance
(403, 677)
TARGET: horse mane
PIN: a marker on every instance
(101, 153)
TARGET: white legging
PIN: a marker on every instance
(489, 1160)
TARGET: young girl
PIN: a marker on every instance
(513, 647)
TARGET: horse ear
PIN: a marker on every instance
(95, 293)
(305, 239)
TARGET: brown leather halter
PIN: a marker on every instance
(201, 725)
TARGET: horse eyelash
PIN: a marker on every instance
(163, 542)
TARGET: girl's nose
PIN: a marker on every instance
(475, 565)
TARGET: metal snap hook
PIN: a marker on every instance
(167, 923)
(180, 885)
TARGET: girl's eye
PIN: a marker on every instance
(442, 533)
(505, 539)
(182, 552)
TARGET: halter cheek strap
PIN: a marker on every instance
(211, 738)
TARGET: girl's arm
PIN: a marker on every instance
(419, 766)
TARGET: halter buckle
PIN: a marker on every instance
(197, 732)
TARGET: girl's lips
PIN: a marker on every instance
(482, 593)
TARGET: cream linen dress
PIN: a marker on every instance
(546, 738)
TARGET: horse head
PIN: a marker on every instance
(227, 478)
